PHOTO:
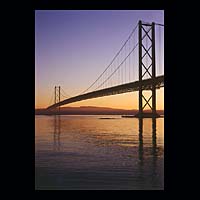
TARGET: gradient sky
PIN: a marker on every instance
(72, 48)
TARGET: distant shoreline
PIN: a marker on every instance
(89, 110)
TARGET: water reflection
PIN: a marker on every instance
(140, 147)
(154, 147)
(154, 144)
(111, 154)
(56, 135)
(143, 151)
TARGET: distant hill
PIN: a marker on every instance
(90, 110)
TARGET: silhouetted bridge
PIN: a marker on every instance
(119, 89)
(116, 78)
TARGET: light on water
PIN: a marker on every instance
(86, 152)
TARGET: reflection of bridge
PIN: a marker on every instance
(57, 125)
(57, 132)
(116, 78)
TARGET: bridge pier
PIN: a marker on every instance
(147, 115)
(150, 70)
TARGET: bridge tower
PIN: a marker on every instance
(57, 96)
(147, 31)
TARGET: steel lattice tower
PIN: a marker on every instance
(147, 30)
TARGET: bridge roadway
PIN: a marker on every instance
(119, 89)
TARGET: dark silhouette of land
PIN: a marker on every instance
(90, 110)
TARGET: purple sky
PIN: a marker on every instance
(72, 48)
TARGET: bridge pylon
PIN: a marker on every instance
(147, 30)
(57, 96)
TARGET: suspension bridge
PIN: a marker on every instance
(137, 66)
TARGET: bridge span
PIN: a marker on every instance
(119, 89)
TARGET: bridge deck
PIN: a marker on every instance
(124, 88)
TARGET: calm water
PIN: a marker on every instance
(85, 152)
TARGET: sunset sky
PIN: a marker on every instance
(72, 48)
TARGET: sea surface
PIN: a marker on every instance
(74, 152)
